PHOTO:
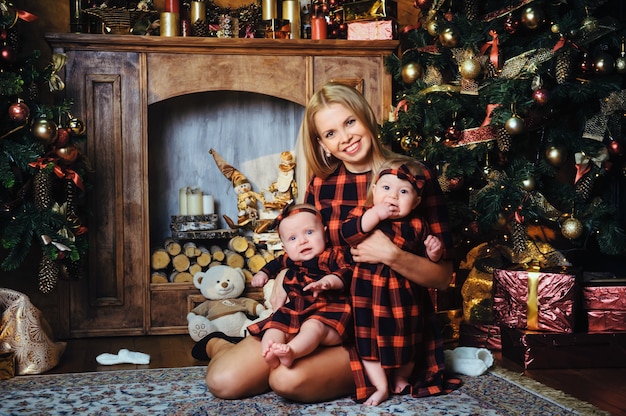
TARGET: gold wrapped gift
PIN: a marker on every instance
(370, 10)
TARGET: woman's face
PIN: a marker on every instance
(343, 135)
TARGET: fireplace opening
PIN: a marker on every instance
(249, 130)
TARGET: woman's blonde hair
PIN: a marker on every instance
(336, 93)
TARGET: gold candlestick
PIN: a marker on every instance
(291, 12)
(169, 24)
(269, 10)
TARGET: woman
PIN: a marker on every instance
(339, 133)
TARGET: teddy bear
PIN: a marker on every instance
(224, 310)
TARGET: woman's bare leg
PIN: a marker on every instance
(321, 376)
(236, 370)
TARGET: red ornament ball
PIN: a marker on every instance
(63, 138)
(511, 24)
(453, 134)
(19, 112)
(424, 4)
(67, 154)
(615, 148)
(7, 54)
(541, 96)
(455, 183)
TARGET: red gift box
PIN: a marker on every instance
(536, 349)
(480, 336)
(606, 320)
(543, 300)
(605, 297)
(371, 30)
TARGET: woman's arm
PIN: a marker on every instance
(378, 248)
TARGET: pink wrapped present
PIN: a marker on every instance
(543, 300)
(371, 30)
(480, 336)
(606, 320)
(605, 297)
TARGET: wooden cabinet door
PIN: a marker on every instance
(110, 95)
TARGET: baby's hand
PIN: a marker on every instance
(259, 279)
(317, 287)
(384, 210)
(434, 248)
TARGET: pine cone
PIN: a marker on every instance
(585, 185)
(503, 140)
(563, 66)
(471, 9)
(42, 182)
(71, 270)
(518, 235)
(48, 274)
(199, 28)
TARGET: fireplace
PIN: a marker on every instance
(128, 89)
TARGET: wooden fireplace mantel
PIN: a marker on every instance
(112, 80)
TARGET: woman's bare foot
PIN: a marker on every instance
(377, 398)
(284, 353)
(268, 354)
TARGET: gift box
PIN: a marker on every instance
(545, 300)
(479, 335)
(370, 10)
(372, 30)
(537, 349)
(604, 301)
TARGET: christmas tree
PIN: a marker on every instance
(42, 191)
(519, 106)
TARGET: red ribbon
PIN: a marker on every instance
(402, 105)
(70, 174)
(490, 108)
(27, 17)
(493, 55)
(581, 170)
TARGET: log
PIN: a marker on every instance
(251, 251)
(181, 263)
(191, 250)
(204, 259)
(181, 277)
(256, 263)
(194, 268)
(248, 275)
(215, 263)
(158, 277)
(234, 259)
(172, 247)
(160, 259)
(238, 244)
(266, 255)
(217, 253)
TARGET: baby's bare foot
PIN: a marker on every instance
(284, 353)
(270, 358)
(400, 383)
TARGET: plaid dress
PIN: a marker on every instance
(331, 307)
(335, 197)
(385, 304)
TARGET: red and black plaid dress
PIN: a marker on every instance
(335, 197)
(331, 307)
(385, 305)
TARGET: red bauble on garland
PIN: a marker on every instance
(423, 4)
(19, 112)
(541, 96)
(615, 148)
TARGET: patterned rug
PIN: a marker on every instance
(181, 391)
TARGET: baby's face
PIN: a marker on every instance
(396, 192)
(303, 236)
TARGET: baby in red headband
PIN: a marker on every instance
(385, 305)
(316, 280)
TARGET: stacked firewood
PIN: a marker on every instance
(178, 262)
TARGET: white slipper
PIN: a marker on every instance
(123, 357)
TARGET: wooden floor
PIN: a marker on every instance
(604, 388)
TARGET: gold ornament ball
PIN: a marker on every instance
(44, 130)
(533, 17)
(448, 38)
(555, 156)
(604, 64)
(407, 143)
(76, 127)
(571, 228)
(411, 72)
(67, 154)
(620, 64)
(528, 184)
(514, 125)
(555, 28)
(470, 69)
(432, 27)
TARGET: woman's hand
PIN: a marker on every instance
(279, 296)
(377, 248)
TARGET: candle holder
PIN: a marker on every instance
(277, 29)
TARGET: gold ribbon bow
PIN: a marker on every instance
(58, 62)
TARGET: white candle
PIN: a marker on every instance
(194, 202)
(208, 205)
(182, 201)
